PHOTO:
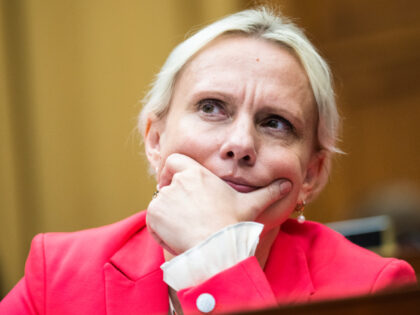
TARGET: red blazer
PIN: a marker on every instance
(115, 269)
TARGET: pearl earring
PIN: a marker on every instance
(299, 209)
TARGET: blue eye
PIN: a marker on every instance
(277, 123)
(208, 108)
(211, 107)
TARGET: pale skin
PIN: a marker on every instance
(237, 144)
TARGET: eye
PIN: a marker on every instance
(277, 123)
(211, 107)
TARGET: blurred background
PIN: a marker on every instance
(72, 73)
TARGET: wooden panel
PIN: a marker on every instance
(15, 149)
(329, 21)
(76, 71)
(383, 303)
(372, 47)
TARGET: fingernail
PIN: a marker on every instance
(285, 187)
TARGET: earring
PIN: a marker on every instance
(300, 206)
(156, 193)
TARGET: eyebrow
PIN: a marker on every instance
(294, 118)
(208, 93)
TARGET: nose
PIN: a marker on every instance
(239, 144)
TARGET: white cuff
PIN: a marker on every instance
(218, 252)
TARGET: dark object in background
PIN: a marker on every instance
(406, 301)
(399, 201)
(375, 233)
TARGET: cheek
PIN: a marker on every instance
(284, 163)
(190, 139)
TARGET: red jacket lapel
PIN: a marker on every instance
(287, 270)
(133, 278)
(134, 281)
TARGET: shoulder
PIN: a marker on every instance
(93, 247)
(338, 266)
(55, 258)
(105, 239)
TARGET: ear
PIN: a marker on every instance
(152, 139)
(313, 175)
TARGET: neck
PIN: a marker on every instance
(264, 246)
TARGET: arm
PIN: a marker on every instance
(243, 286)
(192, 205)
(222, 250)
(397, 273)
(221, 267)
(27, 297)
(18, 301)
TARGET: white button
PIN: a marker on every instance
(205, 303)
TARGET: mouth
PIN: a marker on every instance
(240, 185)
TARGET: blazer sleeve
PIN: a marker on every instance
(27, 297)
(241, 287)
(397, 273)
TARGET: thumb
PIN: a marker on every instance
(174, 163)
(259, 200)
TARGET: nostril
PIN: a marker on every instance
(230, 154)
(247, 158)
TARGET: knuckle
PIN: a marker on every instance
(201, 171)
(171, 159)
(150, 207)
(153, 210)
(150, 216)
(174, 159)
(149, 220)
(176, 178)
(193, 173)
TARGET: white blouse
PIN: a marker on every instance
(218, 252)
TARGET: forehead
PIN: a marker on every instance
(231, 50)
(240, 65)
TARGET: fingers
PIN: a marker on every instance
(158, 239)
(174, 163)
(261, 199)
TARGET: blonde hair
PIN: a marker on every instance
(261, 23)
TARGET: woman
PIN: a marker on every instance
(239, 127)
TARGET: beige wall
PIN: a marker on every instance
(72, 72)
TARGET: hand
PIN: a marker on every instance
(193, 203)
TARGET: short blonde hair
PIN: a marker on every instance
(261, 23)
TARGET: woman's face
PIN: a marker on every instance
(243, 108)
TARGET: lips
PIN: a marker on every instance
(240, 185)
